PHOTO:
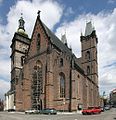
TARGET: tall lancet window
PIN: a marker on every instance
(62, 85)
(38, 41)
(88, 70)
(37, 86)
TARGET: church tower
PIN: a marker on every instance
(19, 47)
(89, 53)
(89, 60)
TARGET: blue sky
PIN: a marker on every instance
(69, 15)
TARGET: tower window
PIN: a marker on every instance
(61, 62)
(88, 70)
(38, 41)
(22, 60)
(62, 85)
(87, 55)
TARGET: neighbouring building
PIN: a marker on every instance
(113, 98)
(1, 105)
(45, 73)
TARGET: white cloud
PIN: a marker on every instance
(50, 10)
(105, 26)
(69, 11)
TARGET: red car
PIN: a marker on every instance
(91, 110)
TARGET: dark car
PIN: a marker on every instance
(49, 111)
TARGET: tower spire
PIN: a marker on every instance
(89, 28)
(21, 28)
(21, 23)
(63, 38)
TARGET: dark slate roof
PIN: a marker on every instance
(56, 41)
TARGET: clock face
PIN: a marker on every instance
(21, 46)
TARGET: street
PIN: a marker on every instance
(107, 115)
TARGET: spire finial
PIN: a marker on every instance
(21, 23)
(63, 38)
(38, 13)
(21, 28)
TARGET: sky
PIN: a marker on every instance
(62, 16)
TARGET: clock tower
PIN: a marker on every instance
(19, 47)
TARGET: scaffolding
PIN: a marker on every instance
(37, 88)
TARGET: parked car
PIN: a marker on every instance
(91, 110)
(49, 111)
(107, 107)
(11, 110)
(31, 111)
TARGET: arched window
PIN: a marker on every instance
(37, 86)
(87, 55)
(88, 70)
(38, 41)
(62, 85)
(61, 62)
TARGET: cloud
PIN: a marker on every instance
(111, 1)
(50, 10)
(69, 11)
(105, 26)
(1, 1)
(4, 87)
(104, 23)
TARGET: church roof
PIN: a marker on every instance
(56, 41)
(59, 44)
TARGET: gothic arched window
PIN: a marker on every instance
(88, 70)
(62, 85)
(37, 86)
(87, 55)
(38, 41)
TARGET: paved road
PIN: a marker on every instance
(107, 115)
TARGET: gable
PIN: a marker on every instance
(39, 40)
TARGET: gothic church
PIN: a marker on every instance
(45, 73)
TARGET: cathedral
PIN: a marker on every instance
(45, 73)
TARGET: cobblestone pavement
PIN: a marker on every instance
(107, 115)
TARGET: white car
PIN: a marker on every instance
(31, 111)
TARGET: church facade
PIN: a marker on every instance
(45, 73)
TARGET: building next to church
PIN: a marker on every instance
(113, 98)
(45, 73)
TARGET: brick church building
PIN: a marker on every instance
(45, 73)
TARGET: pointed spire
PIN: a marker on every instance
(89, 28)
(63, 38)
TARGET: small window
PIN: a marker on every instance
(22, 60)
(61, 62)
(88, 70)
(38, 41)
(87, 55)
